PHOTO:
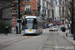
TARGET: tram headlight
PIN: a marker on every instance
(26, 30)
(34, 30)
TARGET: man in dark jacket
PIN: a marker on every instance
(6, 30)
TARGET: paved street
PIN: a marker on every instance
(45, 41)
(30, 43)
(52, 22)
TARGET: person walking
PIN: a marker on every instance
(6, 30)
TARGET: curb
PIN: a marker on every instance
(69, 41)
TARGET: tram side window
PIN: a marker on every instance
(25, 24)
(39, 24)
(35, 24)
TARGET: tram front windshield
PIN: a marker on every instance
(30, 23)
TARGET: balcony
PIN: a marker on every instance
(15, 8)
(27, 11)
(14, 1)
(14, 12)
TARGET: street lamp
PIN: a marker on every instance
(18, 28)
(39, 9)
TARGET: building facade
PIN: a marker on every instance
(63, 11)
(27, 7)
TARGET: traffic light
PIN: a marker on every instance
(39, 6)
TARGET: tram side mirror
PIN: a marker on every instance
(23, 23)
(35, 21)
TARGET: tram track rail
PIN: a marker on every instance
(13, 41)
(46, 43)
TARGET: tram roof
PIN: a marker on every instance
(31, 17)
(36, 17)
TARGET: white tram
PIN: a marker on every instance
(33, 25)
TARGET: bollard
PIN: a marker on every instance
(66, 35)
(16, 30)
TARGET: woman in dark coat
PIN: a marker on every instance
(6, 30)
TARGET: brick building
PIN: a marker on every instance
(27, 7)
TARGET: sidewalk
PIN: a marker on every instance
(10, 36)
(69, 36)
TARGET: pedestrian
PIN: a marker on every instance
(6, 30)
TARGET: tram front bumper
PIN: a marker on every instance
(30, 31)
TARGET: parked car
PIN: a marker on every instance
(53, 28)
(51, 24)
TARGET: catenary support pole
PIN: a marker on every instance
(19, 25)
(72, 19)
